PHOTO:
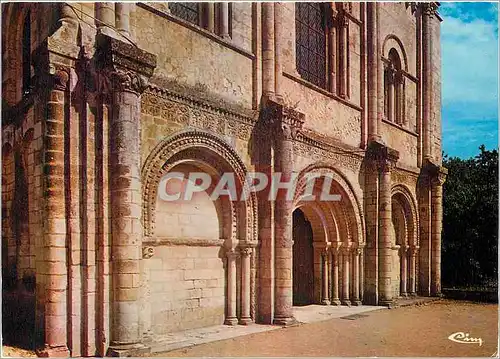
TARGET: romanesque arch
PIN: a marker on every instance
(201, 242)
(405, 225)
(393, 42)
(337, 231)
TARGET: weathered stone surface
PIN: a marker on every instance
(112, 109)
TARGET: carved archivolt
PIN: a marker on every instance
(350, 206)
(402, 194)
(185, 145)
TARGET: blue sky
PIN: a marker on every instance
(469, 51)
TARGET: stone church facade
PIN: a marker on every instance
(101, 100)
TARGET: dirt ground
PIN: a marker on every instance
(408, 331)
(416, 331)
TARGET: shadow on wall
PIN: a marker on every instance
(18, 315)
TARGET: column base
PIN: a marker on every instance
(231, 321)
(336, 302)
(325, 302)
(413, 294)
(286, 321)
(246, 321)
(128, 350)
(356, 303)
(386, 303)
(57, 352)
(346, 302)
(404, 295)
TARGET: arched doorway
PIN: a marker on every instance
(405, 239)
(303, 260)
(336, 236)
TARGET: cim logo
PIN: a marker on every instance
(461, 337)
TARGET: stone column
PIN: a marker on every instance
(246, 254)
(332, 47)
(355, 276)
(403, 273)
(343, 22)
(278, 48)
(286, 122)
(386, 160)
(335, 277)
(105, 18)
(55, 274)
(224, 15)
(428, 11)
(361, 274)
(437, 224)
(122, 18)
(231, 318)
(372, 69)
(413, 274)
(210, 13)
(268, 62)
(391, 101)
(325, 300)
(345, 274)
(125, 81)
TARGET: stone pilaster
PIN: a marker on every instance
(285, 123)
(124, 71)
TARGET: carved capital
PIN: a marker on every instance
(429, 8)
(122, 66)
(148, 252)
(246, 251)
(384, 157)
(59, 76)
(286, 121)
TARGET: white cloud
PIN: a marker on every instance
(469, 61)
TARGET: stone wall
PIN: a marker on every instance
(187, 288)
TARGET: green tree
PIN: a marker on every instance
(470, 220)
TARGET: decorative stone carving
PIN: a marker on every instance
(147, 252)
(285, 120)
(122, 66)
(429, 8)
(157, 164)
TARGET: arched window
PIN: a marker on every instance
(394, 89)
(26, 46)
(311, 32)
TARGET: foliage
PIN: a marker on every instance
(470, 221)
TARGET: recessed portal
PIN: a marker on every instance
(303, 260)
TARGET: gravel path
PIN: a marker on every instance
(407, 331)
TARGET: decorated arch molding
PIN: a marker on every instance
(410, 207)
(343, 183)
(186, 145)
(393, 42)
